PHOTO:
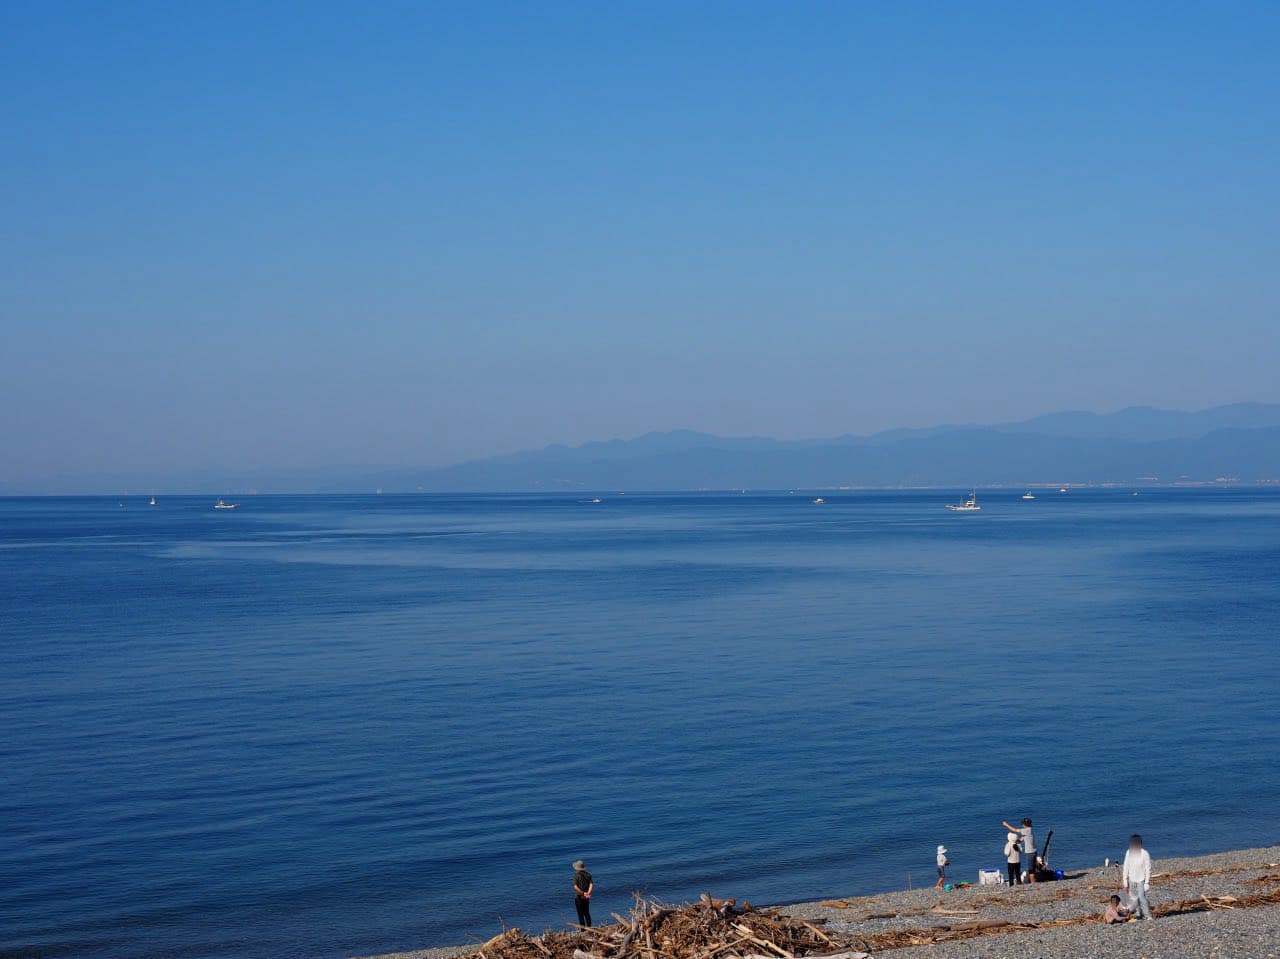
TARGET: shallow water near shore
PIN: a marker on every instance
(322, 726)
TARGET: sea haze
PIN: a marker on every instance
(1239, 444)
(325, 726)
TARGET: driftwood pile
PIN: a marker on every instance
(721, 929)
(707, 929)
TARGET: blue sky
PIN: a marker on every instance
(286, 234)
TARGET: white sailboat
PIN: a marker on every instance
(152, 502)
(970, 505)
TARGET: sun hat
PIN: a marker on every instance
(942, 848)
(579, 865)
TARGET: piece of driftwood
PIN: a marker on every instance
(762, 943)
(816, 931)
(511, 933)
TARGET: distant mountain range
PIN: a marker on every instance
(1139, 445)
(1135, 445)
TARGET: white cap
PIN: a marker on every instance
(942, 848)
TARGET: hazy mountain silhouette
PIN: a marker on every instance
(1240, 441)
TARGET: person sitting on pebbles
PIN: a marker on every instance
(1115, 912)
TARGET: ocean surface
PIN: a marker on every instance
(332, 726)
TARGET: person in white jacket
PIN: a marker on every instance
(1136, 876)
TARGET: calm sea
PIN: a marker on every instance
(325, 726)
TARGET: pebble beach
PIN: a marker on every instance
(1238, 933)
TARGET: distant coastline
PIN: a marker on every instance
(1040, 486)
(1137, 447)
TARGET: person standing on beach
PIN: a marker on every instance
(943, 863)
(1013, 857)
(583, 887)
(1136, 876)
(1028, 848)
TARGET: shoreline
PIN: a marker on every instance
(1253, 933)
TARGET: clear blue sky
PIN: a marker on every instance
(270, 234)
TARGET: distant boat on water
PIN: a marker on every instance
(1062, 490)
(819, 501)
(1028, 495)
(152, 502)
(970, 505)
(222, 504)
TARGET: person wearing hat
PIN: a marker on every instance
(1029, 855)
(583, 886)
(1013, 857)
(943, 863)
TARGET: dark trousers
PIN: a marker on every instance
(584, 910)
(1015, 873)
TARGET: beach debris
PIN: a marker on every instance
(721, 929)
(901, 938)
(710, 928)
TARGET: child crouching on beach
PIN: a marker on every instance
(1115, 912)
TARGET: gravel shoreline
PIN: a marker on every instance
(1238, 934)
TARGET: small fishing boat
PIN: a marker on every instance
(597, 501)
(819, 501)
(970, 505)
(222, 504)
(1062, 490)
(1028, 495)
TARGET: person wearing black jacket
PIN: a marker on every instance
(583, 886)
